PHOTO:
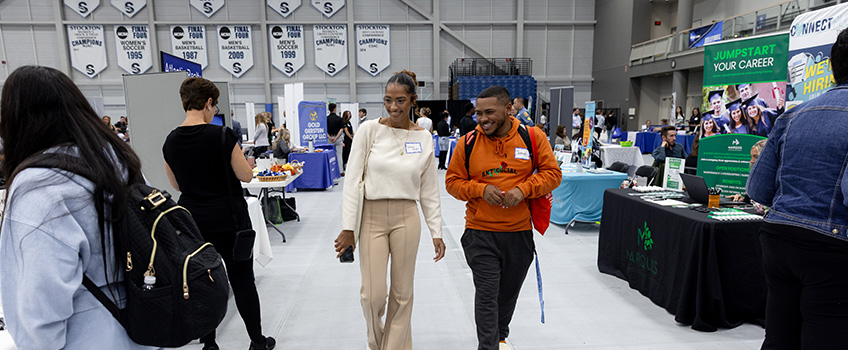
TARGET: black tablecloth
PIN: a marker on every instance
(708, 273)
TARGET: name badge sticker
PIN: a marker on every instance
(522, 153)
(413, 147)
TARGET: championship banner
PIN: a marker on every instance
(129, 7)
(83, 8)
(312, 117)
(724, 161)
(328, 7)
(287, 52)
(810, 38)
(88, 54)
(235, 49)
(189, 43)
(207, 7)
(330, 47)
(133, 48)
(373, 50)
(744, 84)
(284, 7)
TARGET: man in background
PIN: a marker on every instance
(467, 123)
(334, 133)
(362, 113)
(521, 112)
(668, 149)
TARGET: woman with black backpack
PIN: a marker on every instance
(207, 174)
(58, 226)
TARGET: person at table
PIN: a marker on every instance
(347, 129)
(576, 119)
(720, 115)
(195, 162)
(648, 127)
(694, 119)
(669, 148)
(708, 125)
(738, 121)
(679, 117)
(443, 130)
(269, 124)
(50, 234)
(800, 175)
(424, 120)
(599, 122)
(282, 145)
(755, 153)
(260, 135)
(498, 237)
(401, 170)
(562, 138)
(760, 119)
(467, 123)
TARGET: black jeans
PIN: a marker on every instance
(259, 150)
(443, 155)
(807, 279)
(499, 263)
(240, 274)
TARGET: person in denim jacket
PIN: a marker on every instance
(799, 174)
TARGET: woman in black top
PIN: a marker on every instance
(443, 129)
(347, 128)
(207, 175)
(695, 119)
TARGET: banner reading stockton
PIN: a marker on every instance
(373, 47)
(235, 49)
(133, 48)
(312, 118)
(810, 38)
(88, 54)
(287, 53)
(284, 7)
(129, 7)
(330, 47)
(207, 7)
(83, 8)
(189, 43)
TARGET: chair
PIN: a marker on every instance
(620, 167)
(647, 171)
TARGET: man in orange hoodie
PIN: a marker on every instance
(498, 238)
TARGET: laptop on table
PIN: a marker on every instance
(696, 187)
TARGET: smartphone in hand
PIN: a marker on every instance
(347, 256)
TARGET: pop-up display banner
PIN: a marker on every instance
(810, 38)
(312, 117)
(724, 161)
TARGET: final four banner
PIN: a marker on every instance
(129, 7)
(328, 7)
(207, 7)
(287, 53)
(235, 49)
(312, 119)
(373, 47)
(83, 7)
(284, 7)
(189, 43)
(88, 54)
(330, 47)
(810, 38)
(133, 48)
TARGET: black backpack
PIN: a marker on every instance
(160, 238)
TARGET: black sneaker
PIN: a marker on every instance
(270, 344)
(212, 346)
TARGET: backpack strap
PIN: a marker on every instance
(471, 139)
(227, 171)
(103, 299)
(529, 141)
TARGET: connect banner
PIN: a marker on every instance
(328, 7)
(810, 38)
(284, 7)
(207, 7)
(235, 49)
(312, 120)
(287, 52)
(189, 43)
(133, 48)
(129, 7)
(88, 54)
(373, 47)
(330, 47)
(83, 8)
(725, 161)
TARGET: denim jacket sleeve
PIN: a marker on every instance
(762, 182)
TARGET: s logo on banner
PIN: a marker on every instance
(328, 8)
(89, 69)
(331, 67)
(83, 7)
(207, 7)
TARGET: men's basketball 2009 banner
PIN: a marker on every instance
(744, 84)
(189, 43)
(88, 54)
(235, 49)
(330, 47)
(810, 38)
(287, 52)
(312, 121)
(132, 43)
(373, 47)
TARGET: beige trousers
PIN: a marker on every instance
(390, 228)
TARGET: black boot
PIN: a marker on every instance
(270, 344)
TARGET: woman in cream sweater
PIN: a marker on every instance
(401, 170)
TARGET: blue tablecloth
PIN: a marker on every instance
(325, 146)
(319, 170)
(436, 144)
(649, 141)
(580, 196)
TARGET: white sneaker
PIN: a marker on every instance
(504, 346)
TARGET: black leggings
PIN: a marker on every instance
(259, 150)
(807, 279)
(240, 274)
(443, 155)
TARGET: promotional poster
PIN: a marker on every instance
(810, 38)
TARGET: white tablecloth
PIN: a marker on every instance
(615, 153)
(262, 245)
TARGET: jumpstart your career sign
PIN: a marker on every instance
(747, 60)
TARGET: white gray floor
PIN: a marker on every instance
(311, 301)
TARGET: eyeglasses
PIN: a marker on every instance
(217, 111)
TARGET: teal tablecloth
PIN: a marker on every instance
(580, 196)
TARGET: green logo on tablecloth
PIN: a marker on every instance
(641, 258)
(645, 239)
